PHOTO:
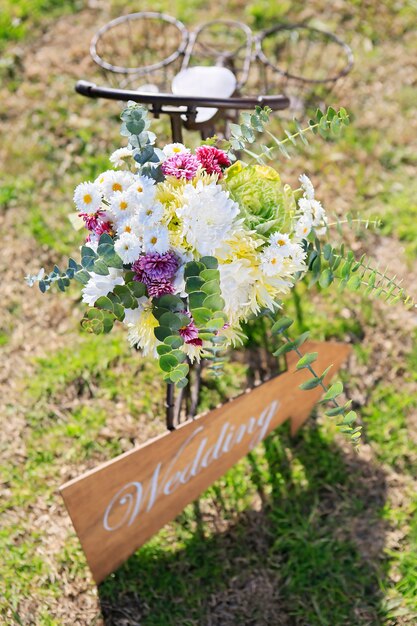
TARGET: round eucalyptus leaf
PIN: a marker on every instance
(161, 332)
(214, 302)
(210, 262)
(167, 362)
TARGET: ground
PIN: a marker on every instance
(302, 532)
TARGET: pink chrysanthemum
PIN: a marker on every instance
(190, 333)
(183, 165)
(212, 159)
(154, 266)
(103, 227)
(92, 220)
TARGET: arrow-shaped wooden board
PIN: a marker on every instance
(118, 506)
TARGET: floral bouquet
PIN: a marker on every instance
(183, 247)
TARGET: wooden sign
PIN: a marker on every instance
(118, 506)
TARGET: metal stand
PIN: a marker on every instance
(183, 406)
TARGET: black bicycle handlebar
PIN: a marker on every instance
(158, 100)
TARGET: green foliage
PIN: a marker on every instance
(327, 125)
(17, 18)
(348, 418)
(135, 125)
(169, 310)
(357, 223)
(97, 262)
(62, 279)
(328, 264)
(206, 306)
(246, 133)
(107, 309)
(202, 284)
(98, 321)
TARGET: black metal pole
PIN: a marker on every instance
(176, 128)
(170, 406)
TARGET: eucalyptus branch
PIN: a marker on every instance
(366, 223)
(308, 366)
(328, 264)
(326, 124)
(331, 393)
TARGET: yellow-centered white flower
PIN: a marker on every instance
(142, 191)
(87, 197)
(128, 246)
(156, 239)
(122, 205)
(116, 182)
(118, 158)
(171, 149)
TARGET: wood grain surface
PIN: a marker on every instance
(118, 506)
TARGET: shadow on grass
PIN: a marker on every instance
(309, 553)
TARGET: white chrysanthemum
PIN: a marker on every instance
(142, 191)
(236, 283)
(318, 213)
(298, 256)
(101, 179)
(141, 324)
(121, 205)
(171, 149)
(128, 247)
(303, 227)
(314, 210)
(87, 197)
(116, 182)
(307, 186)
(282, 242)
(129, 224)
(99, 285)
(118, 157)
(275, 263)
(272, 261)
(156, 239)
(208, 216)
(151, 215)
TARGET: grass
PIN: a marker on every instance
(302, 531)
(294, 537)
(17, 19)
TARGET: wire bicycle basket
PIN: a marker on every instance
(303, 62)
(145, 46)
(202, 78)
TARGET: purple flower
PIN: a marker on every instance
(156, 271)
(183, 165)
(154, 266)
(158, 288)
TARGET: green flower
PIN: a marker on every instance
(265, 203)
